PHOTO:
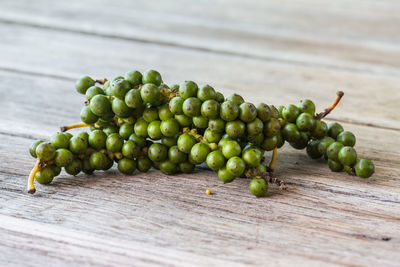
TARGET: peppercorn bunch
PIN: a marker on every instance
(140, 123)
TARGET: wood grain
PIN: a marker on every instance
(56, 53)
(329, 35)
(302, 49)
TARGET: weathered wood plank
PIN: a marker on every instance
(330, 35)
(56, 53)
(324, 217)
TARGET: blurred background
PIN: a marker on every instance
(272, 51)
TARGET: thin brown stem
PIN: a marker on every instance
(102, 81)
(322, 115)
(73, 126)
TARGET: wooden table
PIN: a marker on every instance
(273, 51)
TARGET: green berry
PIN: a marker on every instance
(120, 108)
(154, 131)
(305, 122)
(130, 149)
(175, 155)
(150, 93)
(188, 89)
(235, 166)
(302, 142)
(334, 165)
(126, 166)
(140, 128)
(83, 84)
(56, 170)
(59, 140)
(83, 135)
(119, 88)
(140, 141)
(364, 168)
(247, 112)
(200, 122)
(63, 157)
(133, 98)
(86, 167)
(272, 127)
(206, 93)
(269, 143)
(347, 155)
(334, 129)
(324, 143)
(346, 138)
(291, 133)
(229, 111)
(215, 160)
(158, 152)
(252, 157)
(307, 106)
(231, 149)
(255, 127)
(219, 97)
(175, 105)
(97, 139)
(183, 120)
(235, 128)
(150, 114)
(186, 167)
(210, 109)
(333, 150)
(186, 142)
(225, 176)
(169, 127)
(258, 187)
(144, 164)
(320, 129)
(199, 152)
(92, 91)
(169, 141)
(212, 137)
(168, 167)
(134, 77)
(32, 148)
(312, 149)
(216, 125)
(87, 116)
(110, 130)
(290, 113)
(126, 130)
(45, 151)
(114, 142)
(44, 176)
(164, 113)
(192, 107)
(237, 99)
(98, 161)
(151, 77)
(100, 105)
(74, 168)
(263, 112)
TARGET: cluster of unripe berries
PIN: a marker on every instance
(141, 123)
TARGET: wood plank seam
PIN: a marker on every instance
(190, 47)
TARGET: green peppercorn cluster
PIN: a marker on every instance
(140, 123)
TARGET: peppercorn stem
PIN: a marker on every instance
(31, 187)
(73, 126)
(322, 115)
(271, 165)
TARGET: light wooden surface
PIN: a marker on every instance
(275, 51)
